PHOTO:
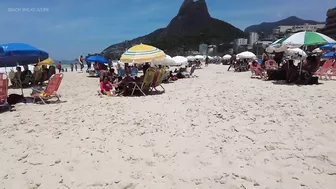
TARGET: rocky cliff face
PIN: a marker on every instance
(192, 22)
(190, 17)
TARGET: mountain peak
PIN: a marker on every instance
(189, 7)
(267, 27)
(191, 26)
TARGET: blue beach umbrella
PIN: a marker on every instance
(13, 54)
(328, 46)
(328, 55)
(96, 58)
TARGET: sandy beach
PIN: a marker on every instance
(220, 130)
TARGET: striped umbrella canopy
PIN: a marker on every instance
(277, 42)
(142, 53)
(306, 38)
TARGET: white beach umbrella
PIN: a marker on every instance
(276, 48)
(200, 57)
(296, 52)
(227, 57)
(180, 60)
(190, 57)
(167, 61)
(246, 54)
(307, 38)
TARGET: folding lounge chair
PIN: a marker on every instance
(51, 90)
(271, 65)
(332, 71)
(3, 92)
(146, 83)
(257, 71)
(158, 81)
(323, 70)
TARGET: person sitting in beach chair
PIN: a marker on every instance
(106, 87)
(134, 71)
(26, 76)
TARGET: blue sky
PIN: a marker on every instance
(68, 28)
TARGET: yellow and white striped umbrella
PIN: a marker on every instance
(142, 53)
(45, 62)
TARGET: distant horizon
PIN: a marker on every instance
(64, 33)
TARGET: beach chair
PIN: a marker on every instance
(332, 71)
(4, 92)
(146, 83)
(257, 71)
(51, 90)
(324, 69)
(271, 65)
(191, 73)
(158, 81)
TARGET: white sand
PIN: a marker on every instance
(221, 130)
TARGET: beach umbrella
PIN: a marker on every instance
(296, 52)
(276, 48)
(180, 60)
(247, 55)
(328, 46)
(328, 55)
(45, 62)
(96, 58)
(227, 57)
(13, 54)
(200, 57)
(142, 53)
(167, 61)
(191, 58)
(306, 38)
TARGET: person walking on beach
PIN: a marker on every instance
(232, 61)
(206, 61)
(71, 67)
(80, 60)
(59, 67)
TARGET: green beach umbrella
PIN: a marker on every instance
(305, 39)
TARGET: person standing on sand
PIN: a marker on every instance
(59, 67)
(76, 67)
(232, 61)
(81, 63)
(206, 61)
(71, 67)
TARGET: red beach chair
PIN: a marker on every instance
(271, 65)
(332, 71)
(323, 70)
(257, 71)
(51, 90)
(3, 91)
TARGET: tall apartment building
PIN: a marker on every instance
(254, 37)
(239, 42)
